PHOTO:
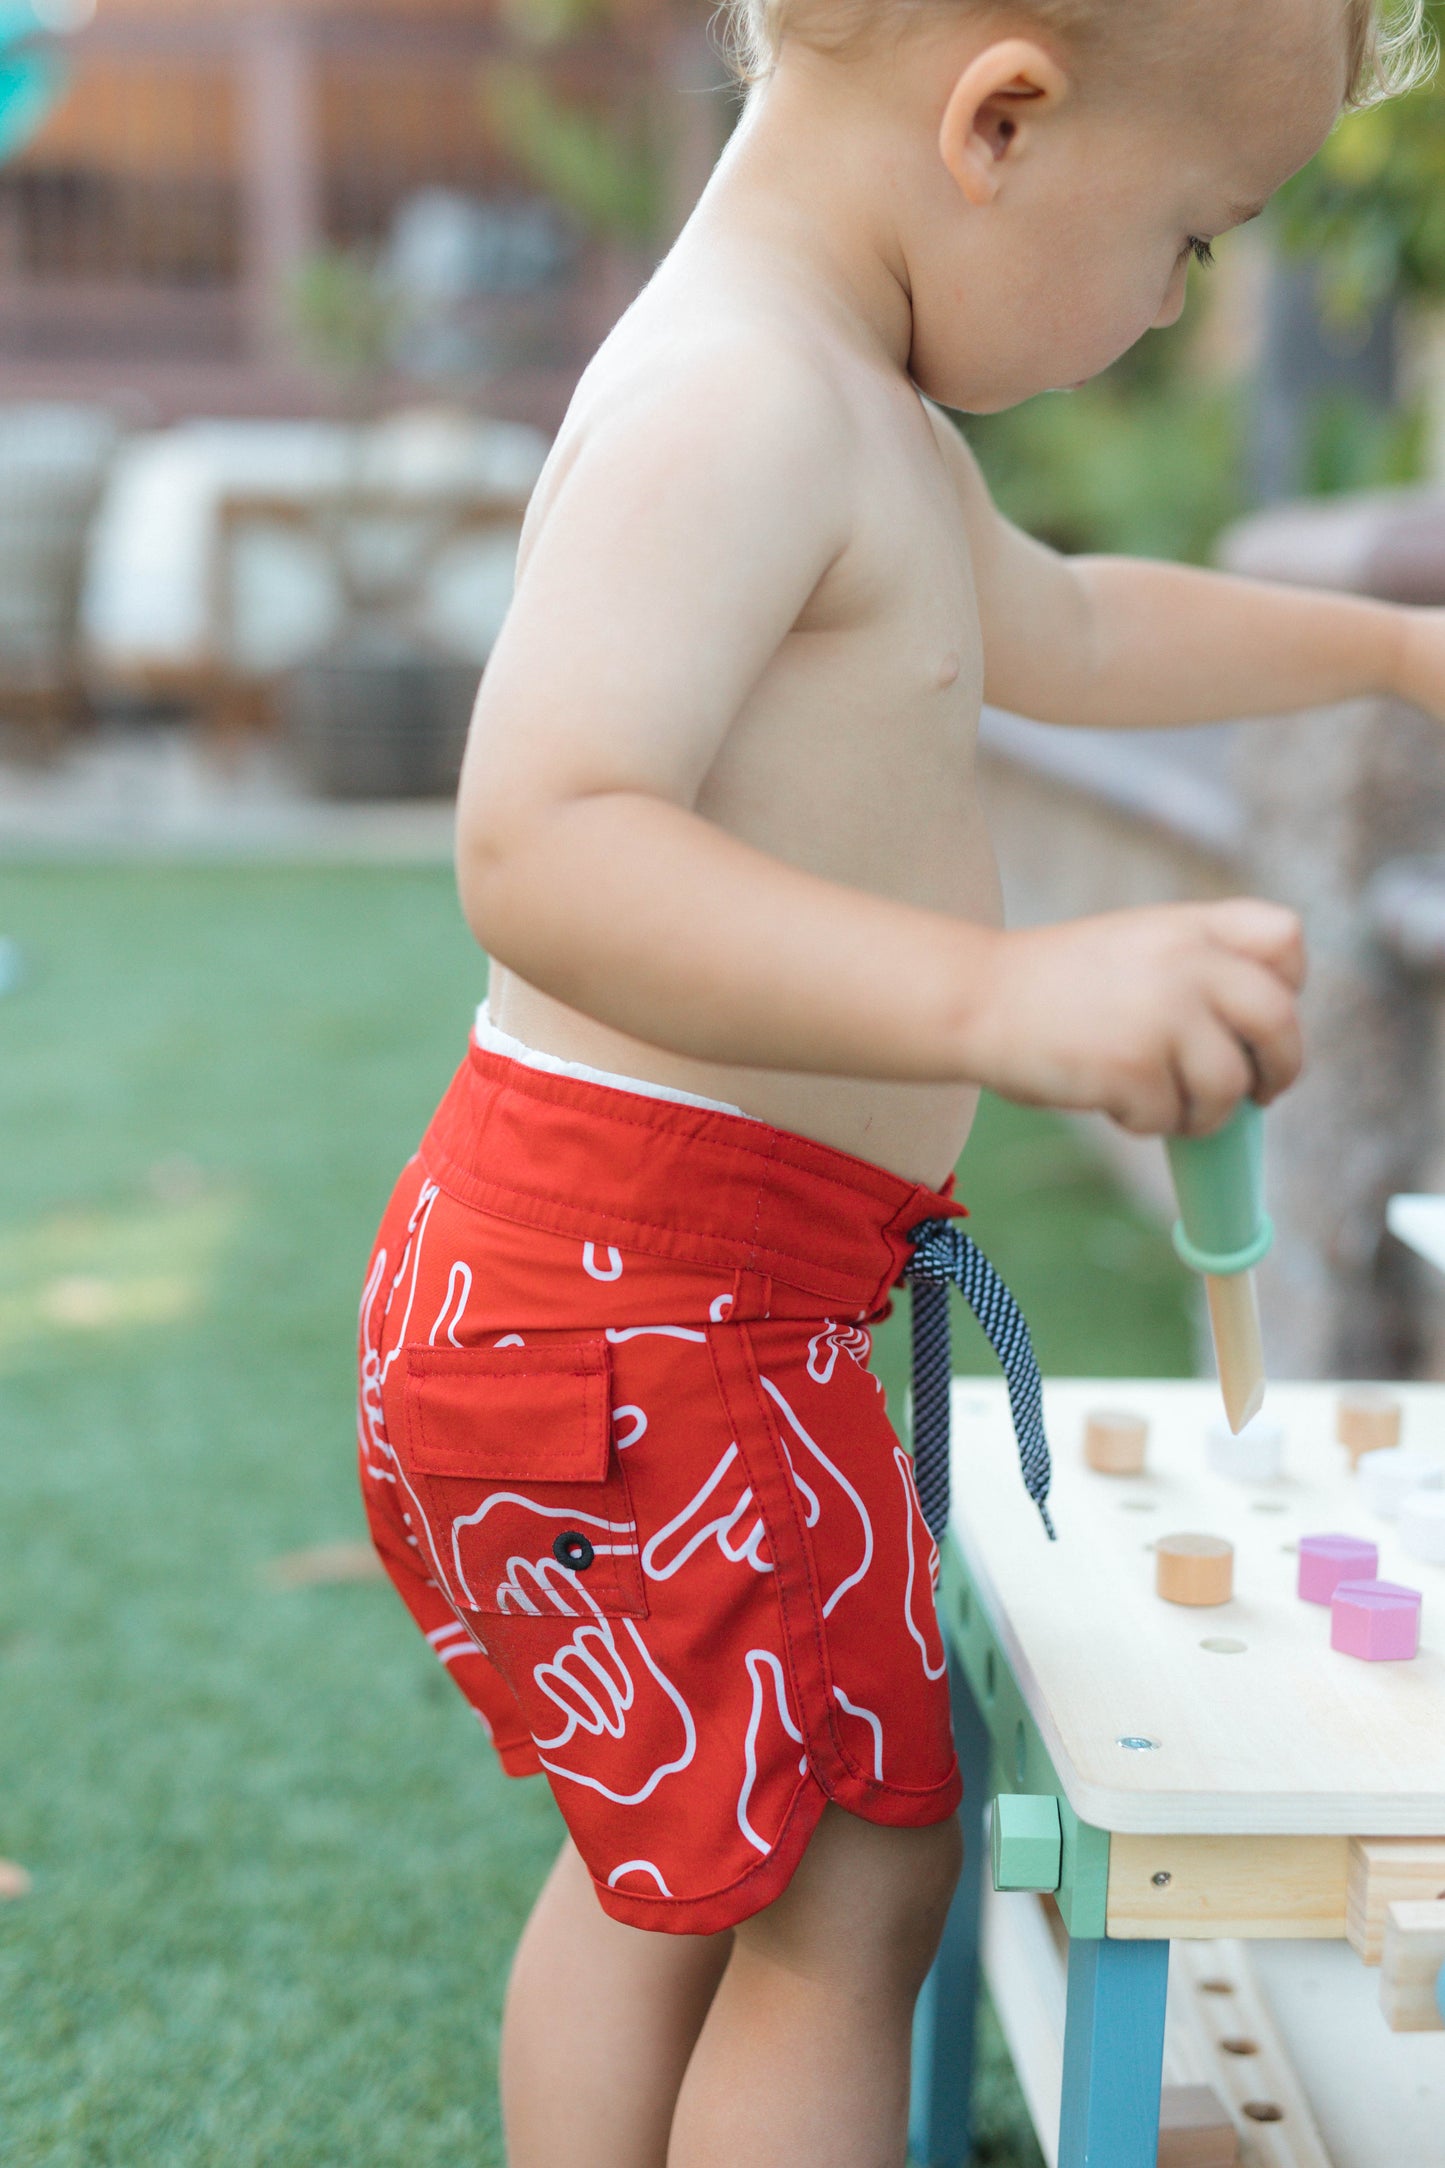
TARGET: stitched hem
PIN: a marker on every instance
(751, 1892)
(893, 1807)
(762, 1885)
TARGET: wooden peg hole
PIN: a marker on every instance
(1138, 1505)
(1240, 2047)
(1267, 1505)
(1264, 2111)
(1216, 1987)
(1222, 1645)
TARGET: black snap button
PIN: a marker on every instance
(573, 1551)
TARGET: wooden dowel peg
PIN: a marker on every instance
(1367, 1420)
(1325, 1561)
(1238, 1348)
(1222, 1232)
(1378, 1621)
(1193, 1569)
(1115, 1442)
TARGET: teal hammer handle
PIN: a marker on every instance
(1223, 1227)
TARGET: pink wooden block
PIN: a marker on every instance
(1376, 1620)
(1325, 1561)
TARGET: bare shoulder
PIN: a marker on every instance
(707, 405)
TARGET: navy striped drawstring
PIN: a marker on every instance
(943, 1257)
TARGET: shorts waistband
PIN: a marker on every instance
(492, 1040)
(674, 1181)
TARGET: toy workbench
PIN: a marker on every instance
(1220, 1825)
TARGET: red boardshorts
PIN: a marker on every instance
(624, 1459)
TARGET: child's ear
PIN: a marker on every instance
(993, 108)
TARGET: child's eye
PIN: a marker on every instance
(1201, 251)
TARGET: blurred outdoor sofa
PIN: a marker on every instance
(203, 567)
(54, 466)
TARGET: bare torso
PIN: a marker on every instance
(853, 757)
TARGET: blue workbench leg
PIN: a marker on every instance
(1113, 2054)
(940, 2121)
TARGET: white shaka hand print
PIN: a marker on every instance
(770, 1702)
(671, 1548)
(825, 1347)
(619, 1711)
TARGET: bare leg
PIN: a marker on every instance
(599, 2025)
(803, 2060)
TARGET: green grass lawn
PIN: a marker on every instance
(276, 1874)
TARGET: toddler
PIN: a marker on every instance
(720, 834)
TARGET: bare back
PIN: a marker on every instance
(852, 756)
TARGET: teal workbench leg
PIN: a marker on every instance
(1113, 2054)
(940, 2122)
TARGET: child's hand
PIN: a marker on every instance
(1164, 1019)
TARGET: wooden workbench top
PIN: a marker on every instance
(1280, 1736)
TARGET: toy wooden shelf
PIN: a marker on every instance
(1226, 1784)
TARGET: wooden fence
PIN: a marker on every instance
(159, 220)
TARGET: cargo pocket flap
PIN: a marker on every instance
(510, 1414)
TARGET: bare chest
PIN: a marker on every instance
(854, 756)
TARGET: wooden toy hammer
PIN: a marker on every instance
(1222, 1232)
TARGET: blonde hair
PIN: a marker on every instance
(1392, 45)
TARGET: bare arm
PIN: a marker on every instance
(1125, 643)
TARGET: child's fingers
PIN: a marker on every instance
(1212, 1072)
(1183, 1091)
(1242, 1042)
(1258, 1009)
(1269, 933)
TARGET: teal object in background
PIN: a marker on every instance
(1223, 1227)
(32, 74)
